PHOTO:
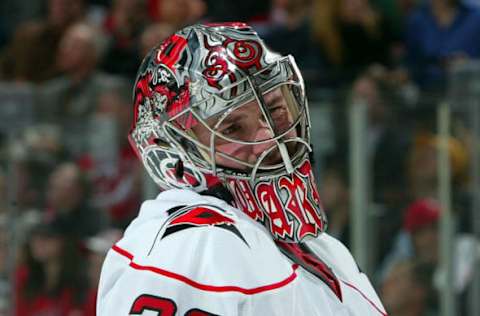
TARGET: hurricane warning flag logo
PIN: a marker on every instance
(201, 216)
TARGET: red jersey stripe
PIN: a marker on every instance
(206, 287)
(122, 252)
(365, 297)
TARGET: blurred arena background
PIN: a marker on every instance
(394, 92)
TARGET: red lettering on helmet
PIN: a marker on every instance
(300, 206)
(245, 198)
(269, 199)
(306, 171)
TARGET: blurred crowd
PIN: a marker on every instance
(70, 184)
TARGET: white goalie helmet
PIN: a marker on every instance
(213, 106)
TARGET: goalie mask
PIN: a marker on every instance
(214, 106)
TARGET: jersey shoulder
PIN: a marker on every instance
(207, 245)
(336, 255)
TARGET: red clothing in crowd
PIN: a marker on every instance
(117, 189)
(43, 303)
(90, 305)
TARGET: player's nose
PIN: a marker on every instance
(263, 133)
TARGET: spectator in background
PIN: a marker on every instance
(439, 34)
(395, 12)
(352, 35)
(97, 248)
(177, 13)
(70, 99)
(13, 13)
(249, 11)
(4, 264)
(110, 162)
(422, 165)
(387, 139)
(49, 280)
(124, 24)
(68, 201)
(152, 35)
(36, 153)
(290, 32)
(31, 54)
(387, 142)
(419, 239)
(421, 222)
(407, 289)
(79, 52)
(4, 197)
(335, 192)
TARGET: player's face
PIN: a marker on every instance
(248, 124)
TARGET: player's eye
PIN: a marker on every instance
(275, 108)
(230, 129)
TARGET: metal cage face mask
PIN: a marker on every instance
(270, 117)
(213, 104)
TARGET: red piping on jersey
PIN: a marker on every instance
(122, 252)
(205, 287)
(365, 297)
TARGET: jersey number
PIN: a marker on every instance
(164, 307)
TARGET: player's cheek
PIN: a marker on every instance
(238, 151)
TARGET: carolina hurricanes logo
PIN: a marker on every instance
(244, 54)
(288, 206)
(191, 178)
(201, 216)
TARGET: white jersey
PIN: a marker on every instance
(188, 254)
